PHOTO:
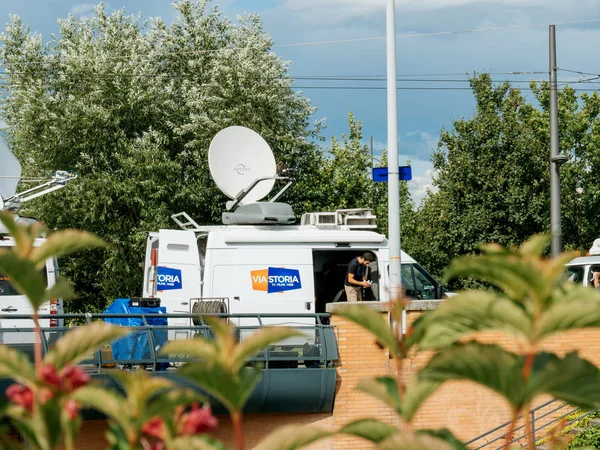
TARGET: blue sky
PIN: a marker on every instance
(422, 112)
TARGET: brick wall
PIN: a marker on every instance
(466, 409)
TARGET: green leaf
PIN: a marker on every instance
(510, 273)
(231, 388)
(292, 437)
(257, 341)
(384, 389)
(417, 391)
(445, 435)
(370, 429)
(16, 365)
(62, 289)
(166, 403)
(565, 316)
(536, 245)
(140, 387)
(63, 243)
(467, 313)
(78, 343)
(571, 379)
(197, 347)
(24, 277)
(374, 322)
(409, 441)
(109, 403)
(22, 234)
(488, 365)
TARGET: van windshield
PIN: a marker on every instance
(417, 283)
(575, 274)
(7, 289)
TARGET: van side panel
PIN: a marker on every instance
(264, 280)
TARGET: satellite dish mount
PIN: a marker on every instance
(243, 167)
(10, 175)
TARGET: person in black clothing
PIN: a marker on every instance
(355, 277)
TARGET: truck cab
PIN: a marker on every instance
(19, 333)
(582, 269)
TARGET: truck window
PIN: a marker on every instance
(7, 289)
(408, 282)
(417, 283)
(424, 285)
(593, 270)
(575, 274)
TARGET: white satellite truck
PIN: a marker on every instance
(259, 261)
(11, 303)
(582, 269)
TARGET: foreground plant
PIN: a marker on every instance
(42, 404)
(534, 303)
(405, 400)
(223, 370)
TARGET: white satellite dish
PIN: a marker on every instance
(237, 157)
(10, 171)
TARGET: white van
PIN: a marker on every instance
(13, 304)
(582, 269)
(283, 269)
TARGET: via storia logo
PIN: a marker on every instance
(275, 279)
(168, 279)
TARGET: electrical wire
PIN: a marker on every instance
(578, 72)
(441, 33)
(266, 46)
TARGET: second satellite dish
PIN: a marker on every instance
(238, 156)
(10, 171)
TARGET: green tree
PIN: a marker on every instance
(132, 106)
(493, 174)
(346, 179)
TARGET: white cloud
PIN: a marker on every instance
(82, 9)
(442, 14)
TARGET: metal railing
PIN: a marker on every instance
(544, 419)
(315, 348)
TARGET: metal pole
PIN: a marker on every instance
(555, 158)
(393, 175)
(372, 156)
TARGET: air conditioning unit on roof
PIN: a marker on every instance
(320, 219)
(347, 218)
(358, 218)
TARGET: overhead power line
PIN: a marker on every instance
(439, 33)
(57, 58)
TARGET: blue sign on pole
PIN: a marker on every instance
(380, 174)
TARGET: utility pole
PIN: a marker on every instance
(556, 159)
(393, 173)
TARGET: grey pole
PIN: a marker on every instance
(393, 175)
(555, 158)
(372, 157)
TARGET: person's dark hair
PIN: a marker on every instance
(367, 256)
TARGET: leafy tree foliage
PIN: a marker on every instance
(493, 174)
(132, 105)
(346, 178)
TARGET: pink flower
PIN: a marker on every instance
(74, 377)
(155, 427)
(20, 395)
(158, 446)
(72, 409)
(198, 420)
(48, 374)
